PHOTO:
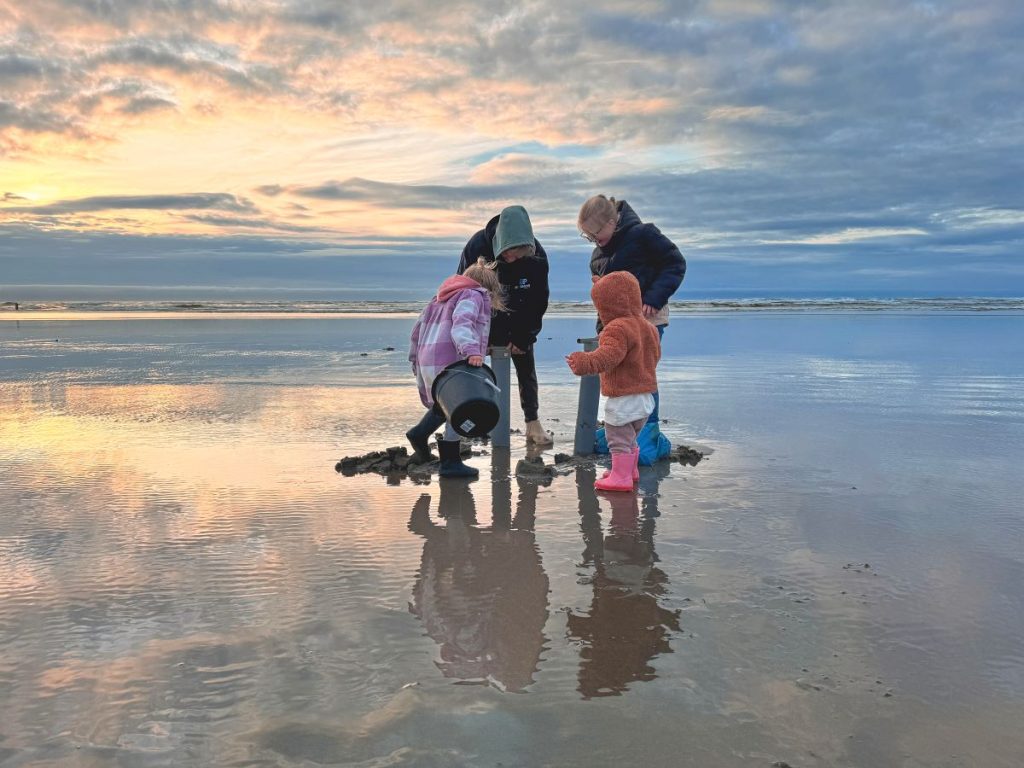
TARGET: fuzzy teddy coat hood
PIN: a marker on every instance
(628, 347)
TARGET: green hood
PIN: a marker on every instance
(513, 229)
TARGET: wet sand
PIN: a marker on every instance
(186, 580)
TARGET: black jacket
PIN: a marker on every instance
(525, 284)
(641, 249)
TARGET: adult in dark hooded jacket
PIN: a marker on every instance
(623, 242)
(522, 266)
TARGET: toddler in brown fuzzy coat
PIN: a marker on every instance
(626, 357)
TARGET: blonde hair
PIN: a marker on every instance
(597, 208)
(486, 275)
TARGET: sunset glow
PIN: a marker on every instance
(220, 143)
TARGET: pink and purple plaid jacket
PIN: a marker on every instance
(453, 326)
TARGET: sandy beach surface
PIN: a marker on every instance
(185, 579)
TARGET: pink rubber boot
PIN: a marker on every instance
(621, 476)
(636, 465)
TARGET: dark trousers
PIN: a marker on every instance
(526, 376)
(431, 420)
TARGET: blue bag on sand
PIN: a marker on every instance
(653, 444)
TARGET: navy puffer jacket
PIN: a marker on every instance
(642, 250)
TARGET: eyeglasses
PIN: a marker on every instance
(592, 238)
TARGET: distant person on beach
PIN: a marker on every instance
(624, 243)
(626, 357)
(454, 326)
(522, 266)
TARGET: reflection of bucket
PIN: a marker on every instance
(468, 396)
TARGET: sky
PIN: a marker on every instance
(349, 149)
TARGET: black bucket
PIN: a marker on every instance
(468, 397)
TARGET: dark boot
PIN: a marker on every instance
(419, 437)
(451, 461)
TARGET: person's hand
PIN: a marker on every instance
(649, 311)
(516, 350)
(572, 360)
(475, 360)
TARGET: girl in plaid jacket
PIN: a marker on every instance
(454, 326)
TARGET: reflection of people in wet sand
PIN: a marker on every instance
(481, 592)
(626, 626)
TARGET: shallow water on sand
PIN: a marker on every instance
(185, 580)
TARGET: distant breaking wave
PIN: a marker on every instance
(712, 306)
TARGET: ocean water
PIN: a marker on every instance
(699, 305)
(185, 579)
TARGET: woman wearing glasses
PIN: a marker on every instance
(623, 242)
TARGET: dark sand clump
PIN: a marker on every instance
(396, 463)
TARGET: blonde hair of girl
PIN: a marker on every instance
(485, 274)
(597, 211)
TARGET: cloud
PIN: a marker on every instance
(121, 14)
(200, 200)
(520, 168)
(142, 104)
(17, 66)
(850, 235)
(63, 85)
(658, 74)
(242, 223)
(403, 195)
(751, 131)
(890, 273)
(185, 55)
(128, 96)
(35, 119)
(665, 36)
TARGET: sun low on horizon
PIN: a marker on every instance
(276, 142)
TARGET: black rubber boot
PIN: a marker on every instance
(451, 461)
(419, 437)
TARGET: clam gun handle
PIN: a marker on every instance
(586, 411)
(501, 364)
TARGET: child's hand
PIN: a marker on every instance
(475, 360)
(573, 361)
